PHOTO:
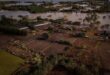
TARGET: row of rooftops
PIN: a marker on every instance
(37, 25)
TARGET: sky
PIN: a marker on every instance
(40, 0)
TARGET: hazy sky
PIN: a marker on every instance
(40, 0)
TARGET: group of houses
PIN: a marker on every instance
(37, 26)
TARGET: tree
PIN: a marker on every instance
(92, 19)
(24, 20)
(44, 36)
(105, 5)
(8, 21)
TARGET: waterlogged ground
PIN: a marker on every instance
(56, 15)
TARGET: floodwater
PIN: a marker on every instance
(23, 4)
(104, 18)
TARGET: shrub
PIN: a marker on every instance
(39, 18)
(79, 34)
(69, 64)
(64, 42)
(44, 36)
(76, 23)
(50, 29)
(12, 30)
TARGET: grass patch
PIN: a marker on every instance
(8, 63)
